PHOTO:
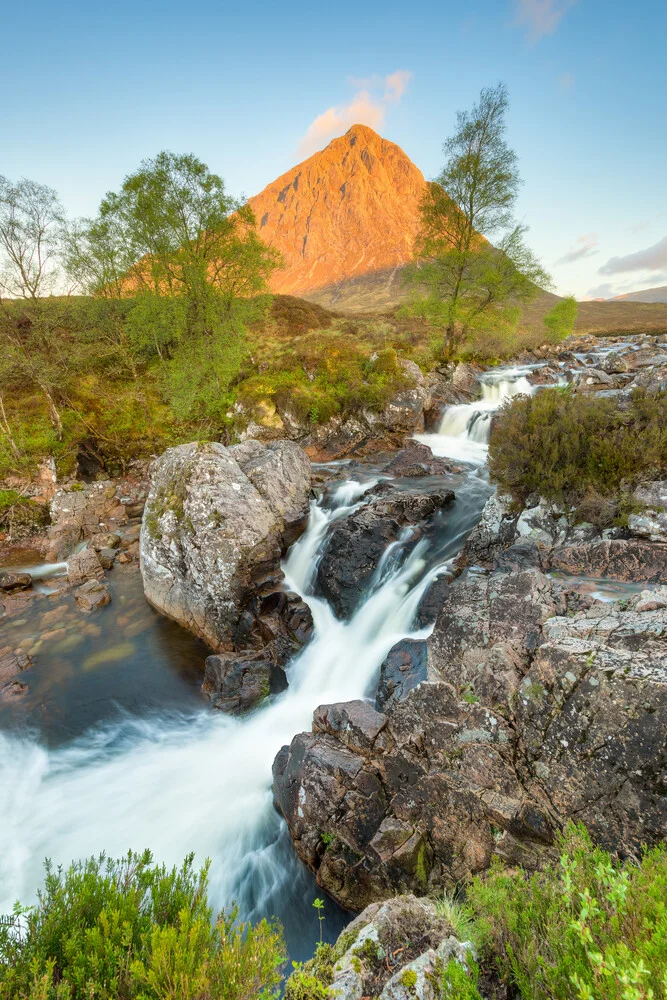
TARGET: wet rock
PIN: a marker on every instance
(84, 566)
(355, 723)
(645, 357)
(432, 601)
(215, 524)
(357, 542)
(10, 582)
(405, 666)
(593, 378)
(12, 663)
(107, 557)
(236, 683)
(109, 540)
(91, 596)
(466, 378)
(418, 460)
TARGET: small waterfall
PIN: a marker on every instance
(202, 782)
(464, 430)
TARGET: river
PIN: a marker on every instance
(119, 753)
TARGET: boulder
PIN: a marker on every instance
(92, 595)
(357, 542)
(84, 566)
(613, 364)
(404, 667)
(629, 559)
(215, 524)
(236, 683)
(528, 717)
(11, 582)
(418, 460)
(651, 521)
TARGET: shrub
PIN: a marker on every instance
(118, 930)
(559, 322)
(567, 447)
(457, 983)
(585, 928)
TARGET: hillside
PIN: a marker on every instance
(658, 294)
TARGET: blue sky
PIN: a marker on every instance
(90, 89)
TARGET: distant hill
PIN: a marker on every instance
(647, 295)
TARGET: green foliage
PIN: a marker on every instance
(465, 281)
(587, 928)
(409, 979)
(568, 447)
(311, 980)
(21, 516)
(458, 914)
(119, 930)
(559, 322)
(459, 983)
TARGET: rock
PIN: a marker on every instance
(493, 533)
(593, 378)
(107, 557)
(10, 582)
(355, 723)
(92, 595)
(84, 566)
(646, 357)
(405, 666)
(466, 378)
(651, 522)
(357, 542)
(631, 560)
(235, 684)
(12, 662)
(215, 524)
(101, 541)
(613, 364)
(418, 460)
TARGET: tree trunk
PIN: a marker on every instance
(7, 431)
(53, 413)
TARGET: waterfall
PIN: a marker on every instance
(182, 782)
(464, 429)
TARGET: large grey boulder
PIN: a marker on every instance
(215, 523)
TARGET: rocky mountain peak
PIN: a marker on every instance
(350, 210)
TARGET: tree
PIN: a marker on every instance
(173, 231)
(31, 219)
(559, 321)
(468, 280)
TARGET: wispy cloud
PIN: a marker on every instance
(585, 246)
(367, 107)
(653, 258)
(605, 291)
(541, 17)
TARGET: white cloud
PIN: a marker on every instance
(585, 246)
(541, 17)
(365, 108)
(606, 291)
(653, 258)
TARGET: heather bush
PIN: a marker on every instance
(587, 927)
(126, 929)
(572, 448)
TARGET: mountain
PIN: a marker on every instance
(647, 295)
(348, 214)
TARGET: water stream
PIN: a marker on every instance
(187, 778)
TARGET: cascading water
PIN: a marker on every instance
(180, 782)
(464, 430)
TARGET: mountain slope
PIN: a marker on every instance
(349, 211)
(647, 295)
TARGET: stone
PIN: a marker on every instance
(236, 683)
(493, 533)
(405, 666)
(357, 542)
(91, 596)
(100, 541)
(613, 364)
(107, 557)
(651, 521)
(10, 582)
(630, 560)
(215, 524)
(418, 460)
(84, 566)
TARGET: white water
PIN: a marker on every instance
(203, 783)
(463, 434)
